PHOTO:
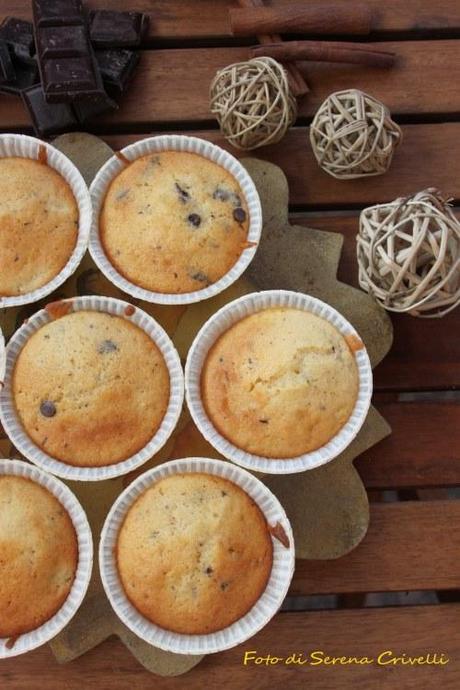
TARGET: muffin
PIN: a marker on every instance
(173, 222)
(90, 388)
(38, 555)
(194, 553)
(280, 383)
(39, 225)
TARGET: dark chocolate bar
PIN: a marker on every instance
(109, 29)
(19, 35)
(57, 12)
(117, 68)
(92, 107)
(7, 72)
(67, 63)
(26, 74)
(47, 118)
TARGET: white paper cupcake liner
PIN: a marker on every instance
(2, 358)
(32, 452)
(262, 611)
(175, 142)
(37, 637)
(220, 322)
(29, 147)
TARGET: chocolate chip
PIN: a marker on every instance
(194, 219)
(223, 586)
(221, 194)
(263, 421)
(200, 277)
(107, 346)
(208, 570)
(239, 214)
(48, 408)
(184, 196)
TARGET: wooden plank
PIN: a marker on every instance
(412, 545)
(427, 157)
(414, 630)
(172, 84)
(176, 19)
(422, 451)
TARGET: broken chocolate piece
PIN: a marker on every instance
(109, 29)
(117, 68)
(19, 36)
(7, 72)
(90, 108)
(48, 408)
(26, 76)
(57, 12)
(66, 79)
(47, 118)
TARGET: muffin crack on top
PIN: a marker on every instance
(279, 383)
(173, 222)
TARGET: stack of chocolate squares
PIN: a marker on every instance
(70, 65)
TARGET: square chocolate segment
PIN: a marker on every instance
(117, 68)
(68, 78)
(57, 12)
(19, 35)
(92, 107)
(7, 72)
(109, 29)
(26, 74)
(62, 41)
(47, 118)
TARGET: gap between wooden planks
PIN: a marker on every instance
(412, 630)
(179, 19)
(171, 86)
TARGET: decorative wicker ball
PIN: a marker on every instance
(253, 103)
(409, 254)
(353, 135)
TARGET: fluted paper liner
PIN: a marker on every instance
(35, 638)
(175, 142)
(220, 322)
(32, 452)
(24, 146)
(262, 611)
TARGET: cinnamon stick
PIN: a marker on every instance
(326, 51)
(314, 19)
(297, 83)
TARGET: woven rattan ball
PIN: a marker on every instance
(253, 103)
(353, 135)
(409, 254)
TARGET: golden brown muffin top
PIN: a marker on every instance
(38, 555)
(280, 383)
(39, 225)
(194, 553)
(174, 222)
(90, 388)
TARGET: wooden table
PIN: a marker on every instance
(413, 543)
